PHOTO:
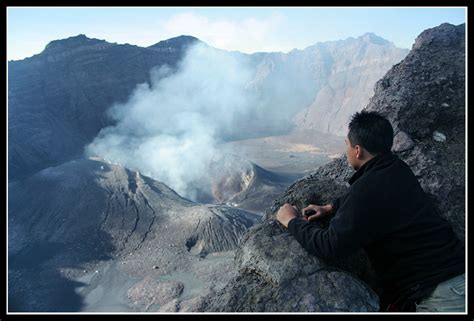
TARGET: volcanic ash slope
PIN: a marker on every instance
(91, 236)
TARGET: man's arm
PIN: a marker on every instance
(336, 204)
(313, 239)
(315, 212)
(319, 242)
(345, 234)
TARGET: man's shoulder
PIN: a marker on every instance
(365, 188)
(393, 170)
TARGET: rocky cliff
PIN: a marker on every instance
(424, 98)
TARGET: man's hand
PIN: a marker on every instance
(314, 212)
(286, 213)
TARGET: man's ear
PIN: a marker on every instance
(359, 152)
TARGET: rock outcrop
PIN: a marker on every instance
(424, 98)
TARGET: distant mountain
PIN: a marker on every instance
(57, 100)
(177, 44)
(351, 68)
(71, 44)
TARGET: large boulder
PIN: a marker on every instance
(424, 98)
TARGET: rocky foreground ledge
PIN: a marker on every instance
(424, 98)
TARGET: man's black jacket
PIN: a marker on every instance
(386, 212)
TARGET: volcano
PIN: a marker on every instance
(93, 233)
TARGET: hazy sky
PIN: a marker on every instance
(246, 29)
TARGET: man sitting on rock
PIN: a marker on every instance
(412, 249)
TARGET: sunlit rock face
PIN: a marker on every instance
(352, 68)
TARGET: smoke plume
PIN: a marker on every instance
(169, 129)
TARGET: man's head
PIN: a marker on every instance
(370, 134)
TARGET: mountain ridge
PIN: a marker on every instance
(57, 100)
(84, 40)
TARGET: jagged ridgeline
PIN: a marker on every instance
(58, 99)
(424, 97)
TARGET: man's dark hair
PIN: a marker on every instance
(371, 131)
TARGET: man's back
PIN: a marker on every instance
(387, 213)
(412, 248)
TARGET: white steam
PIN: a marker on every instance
(169, 130)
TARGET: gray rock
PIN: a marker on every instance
(284, 262)
(192, 305)
(418, 109)
(325, 291)
(172, 306)
(439, 137)
(402, 142)
(151, 291)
